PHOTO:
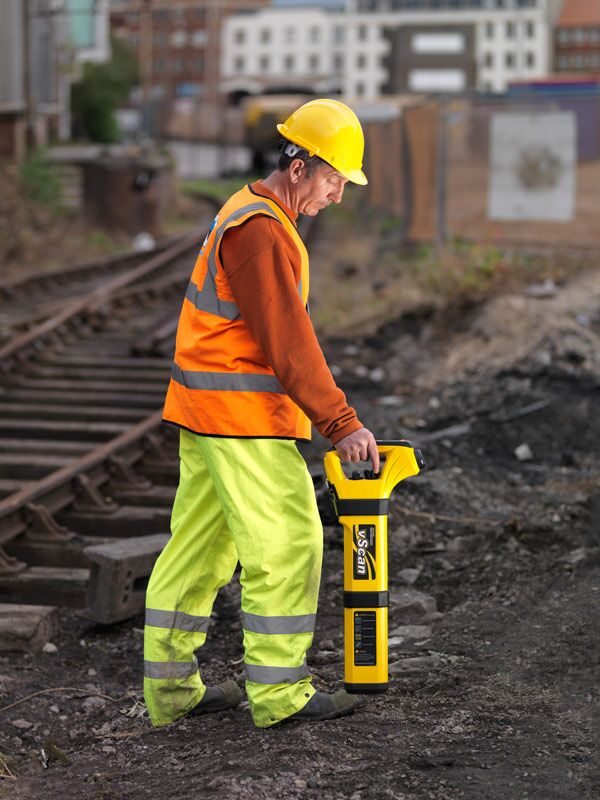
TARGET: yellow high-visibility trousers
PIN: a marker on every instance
(250, 500)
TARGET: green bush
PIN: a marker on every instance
(103, 88)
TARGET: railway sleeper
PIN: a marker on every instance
(119, 576)
(32, 397)
(60, 412)
(52, 554)
(69, 431)
(126, 521)
(60, 586)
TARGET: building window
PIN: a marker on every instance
(265, 36)
(530, 59)
(178, 38)
(563, 62)
(530, 29)
(159, 65)
(509, 60)
(510, 29)
(290, 34)
(361, 61)
(200, 14)
(488, 60)
(338, 34)
(338, 62)
(239, 36)
(314, 34)
(360, 88)
(489, 30)
(579, 36)
(198, 64)
(313, 63)
(160, 15)
(239, 63)
(264, 63)
(289, 63)
(361, 33)
(563, 36)
(177, 65)
(199, 38)
(132, 17)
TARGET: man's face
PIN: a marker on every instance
(316, 192)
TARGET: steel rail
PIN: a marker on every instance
(11, 286)
(57, 489)
(92, 300)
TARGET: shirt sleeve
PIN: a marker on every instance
(262, 266)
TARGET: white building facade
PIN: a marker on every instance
(348, 50)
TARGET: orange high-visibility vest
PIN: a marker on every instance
(221, 383)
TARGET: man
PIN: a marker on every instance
(248, 379)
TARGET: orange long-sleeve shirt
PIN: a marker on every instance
(262, 265)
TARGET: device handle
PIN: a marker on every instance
(401, 461)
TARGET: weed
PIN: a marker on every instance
(100, 240)
(40, 182)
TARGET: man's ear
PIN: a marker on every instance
(296, 169)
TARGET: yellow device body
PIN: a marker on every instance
(362, 503)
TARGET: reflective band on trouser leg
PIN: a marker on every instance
(199, 557)
(269, 503)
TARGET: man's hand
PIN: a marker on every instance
(359, 446)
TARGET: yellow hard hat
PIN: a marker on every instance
(330, 130)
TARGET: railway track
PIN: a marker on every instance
(87, 470)
(28, 300)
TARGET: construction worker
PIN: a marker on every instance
(248, 379)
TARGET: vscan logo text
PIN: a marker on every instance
(361, 545)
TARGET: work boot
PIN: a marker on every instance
(325, 706)
(217, 698)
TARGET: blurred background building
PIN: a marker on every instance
(42, 45)
(577, 37)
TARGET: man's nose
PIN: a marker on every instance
(337, 194)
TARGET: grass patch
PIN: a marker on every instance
(40, 182)
(218, 189)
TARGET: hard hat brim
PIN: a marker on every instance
(353, 175)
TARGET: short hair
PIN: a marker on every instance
(311, 163)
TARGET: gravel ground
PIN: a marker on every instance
(494, 581)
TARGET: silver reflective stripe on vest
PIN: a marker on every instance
(272, 675)
(177, 620)
(226, 381)
(170, 669)
(207, 299)
(302, 623)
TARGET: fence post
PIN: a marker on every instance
(441, 170)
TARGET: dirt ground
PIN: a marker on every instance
(495, 589)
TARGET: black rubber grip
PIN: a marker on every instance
(366, 688)
(366, 599)
(361, 508)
